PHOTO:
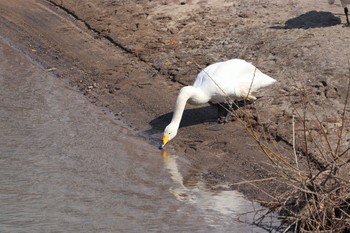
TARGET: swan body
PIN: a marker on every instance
(218, 83)
(344, 4)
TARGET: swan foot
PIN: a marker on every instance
(225, 119)
(225, 112)
(248, 96)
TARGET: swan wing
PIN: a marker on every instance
(207, 73)
(231, 78)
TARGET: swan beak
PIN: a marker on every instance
(165, 141)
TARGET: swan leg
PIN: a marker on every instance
(346, 11)
(225, 112)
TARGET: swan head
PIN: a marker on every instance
(169, 133)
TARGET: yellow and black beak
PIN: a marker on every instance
(165, 141)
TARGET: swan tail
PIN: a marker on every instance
(262, 80)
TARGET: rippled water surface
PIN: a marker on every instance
(68, 166)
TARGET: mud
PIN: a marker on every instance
(133, 57)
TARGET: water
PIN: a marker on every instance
(68, 166)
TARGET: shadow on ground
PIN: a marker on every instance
(206, 114)
(190, 117)
(311, 19)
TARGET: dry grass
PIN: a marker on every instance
(317, 195)
(316, 174)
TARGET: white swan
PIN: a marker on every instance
(216, 83)
(344, 4)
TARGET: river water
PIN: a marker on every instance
(67, 165)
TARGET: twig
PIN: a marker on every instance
(251, 83)
(294, 150)
(343, 114)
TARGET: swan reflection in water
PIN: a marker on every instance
(229, 204)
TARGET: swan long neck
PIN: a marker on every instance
(185, 94)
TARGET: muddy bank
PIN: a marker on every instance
(134, 57)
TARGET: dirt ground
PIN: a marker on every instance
(134, 56)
